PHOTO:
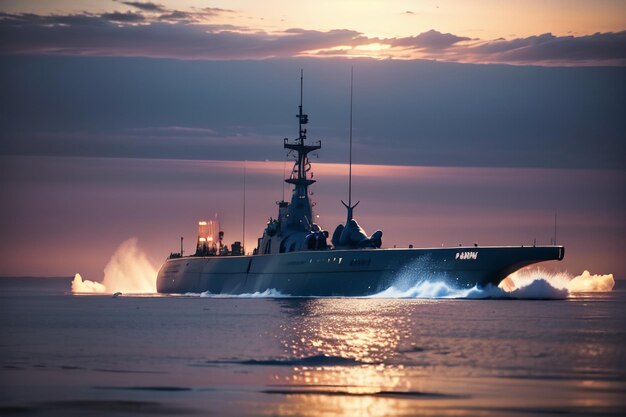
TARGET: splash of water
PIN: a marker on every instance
(86, 286)
(529, 283)
(585, 282)
(537, 289)
(128, 271)
(269, 293)
(428, 289)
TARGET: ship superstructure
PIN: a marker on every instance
(294, 229)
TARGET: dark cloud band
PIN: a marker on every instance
(181, 35)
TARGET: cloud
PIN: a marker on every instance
(313, 39)
(24, 21)
(128, 17)
(196, 15)
(178, 16)
(216, 10)
(431, 41)
(609, 48)
(191, 35)
(100, 36)
(175, 131)
(146, 6)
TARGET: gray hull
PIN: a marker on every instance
(346, 272)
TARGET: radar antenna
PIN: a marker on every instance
(349, 206)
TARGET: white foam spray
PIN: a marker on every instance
(269, 293)
(428, 289)
(128, 271)
(86, 286)
(585, 282)
(528, 283)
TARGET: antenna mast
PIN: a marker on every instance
(300, 209)
(243, 238)
(302, 118)
(350, 166)
(349, 206)
(284, 173)
(555, 214)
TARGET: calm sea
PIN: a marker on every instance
(65, 355)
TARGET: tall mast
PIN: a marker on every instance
(300, 211)
(349, 206)
(302, 118)
(284, 173)
(555, 214)
(243, 232)
(350, 169)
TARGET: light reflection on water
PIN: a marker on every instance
(365, 406)
(368, 331)
(315, 357)
(413, 358)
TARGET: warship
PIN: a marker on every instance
(295, 257)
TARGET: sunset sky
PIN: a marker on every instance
(473, 122)
(557, 32)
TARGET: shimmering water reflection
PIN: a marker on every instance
(64, 355)
(368, 331)
(442, 356)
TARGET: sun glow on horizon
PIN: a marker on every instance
(550, 33)
(486, 19)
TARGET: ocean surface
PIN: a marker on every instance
(197, 354)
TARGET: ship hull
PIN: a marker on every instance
(347, 273)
